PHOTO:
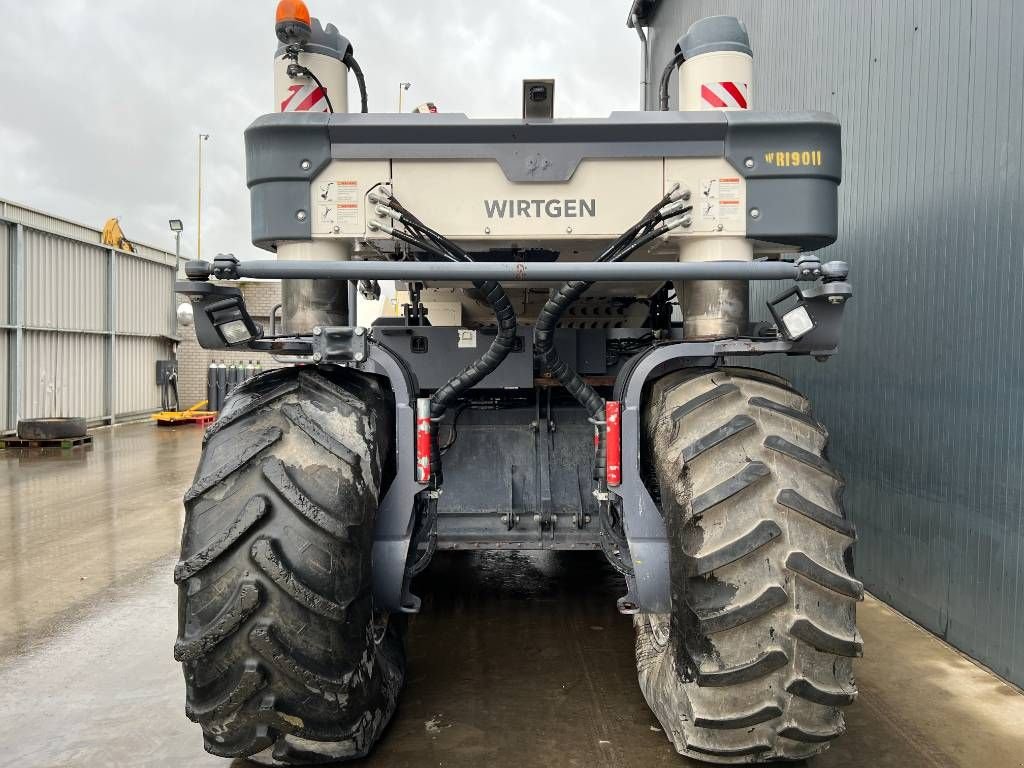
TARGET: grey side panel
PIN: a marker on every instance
(773, 151)
(282, 158)
(392, 533)
(756, 135)
(803, 215)
(543, 151)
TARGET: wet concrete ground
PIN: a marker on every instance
(516, 660)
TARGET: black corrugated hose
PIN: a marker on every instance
(504, 341)
(473, 373)
(639, 235)
(352, 64)
(665, 76)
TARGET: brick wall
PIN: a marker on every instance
(194, 361)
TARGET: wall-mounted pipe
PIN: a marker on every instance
(645, 61)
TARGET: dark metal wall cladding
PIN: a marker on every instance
(925, 401)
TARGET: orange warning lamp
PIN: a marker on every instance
(293, 24)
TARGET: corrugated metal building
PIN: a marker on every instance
(82, 324)
(924, 400)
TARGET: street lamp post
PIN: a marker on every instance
(199, 199)
(402, 87)
(176, 226)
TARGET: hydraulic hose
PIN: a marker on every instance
(352, 64)
(650, 227)
(431, 241)
(475, 372)
(544, 346)
(487, 363)
(665, 77)
(564, 297)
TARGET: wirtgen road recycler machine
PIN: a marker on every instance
(564, 377)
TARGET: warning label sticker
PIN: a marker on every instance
(326, 215)
(721, 198)
(346, 198)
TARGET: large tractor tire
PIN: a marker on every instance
(755, 661)
(285, 659)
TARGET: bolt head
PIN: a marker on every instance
(755, 213)
(360, 357)
(536, 518)
(568, 230)
(487, 230)
(305, 165)
(317, 357)
(749, 162)
(317, 330)
(504, 518)
(359, 331)
(300, 215)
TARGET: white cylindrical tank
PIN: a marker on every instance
(309, 303)
(717, 73)
(718, 65)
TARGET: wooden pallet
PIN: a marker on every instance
(60, 442)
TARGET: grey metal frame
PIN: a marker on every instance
(393, 528)
(632, 271)
(110, 391)
(16, 326)
(17, 309)
(648, 584)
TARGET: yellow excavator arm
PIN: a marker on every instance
(113, 236)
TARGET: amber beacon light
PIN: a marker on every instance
(293, 24)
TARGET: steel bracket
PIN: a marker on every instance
(340, 344)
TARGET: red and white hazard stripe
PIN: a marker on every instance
(613, 442)
(423, 440)
(727, 95)
(309, 97)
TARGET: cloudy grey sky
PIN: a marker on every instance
(104, 98)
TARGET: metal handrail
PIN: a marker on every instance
(510, 271)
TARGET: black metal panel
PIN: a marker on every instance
(434, 355)
(515, 462)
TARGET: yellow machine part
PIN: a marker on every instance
(113, 236)
(190, 415)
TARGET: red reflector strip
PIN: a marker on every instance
(423, 440)
(613, 442)
(725, 95)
